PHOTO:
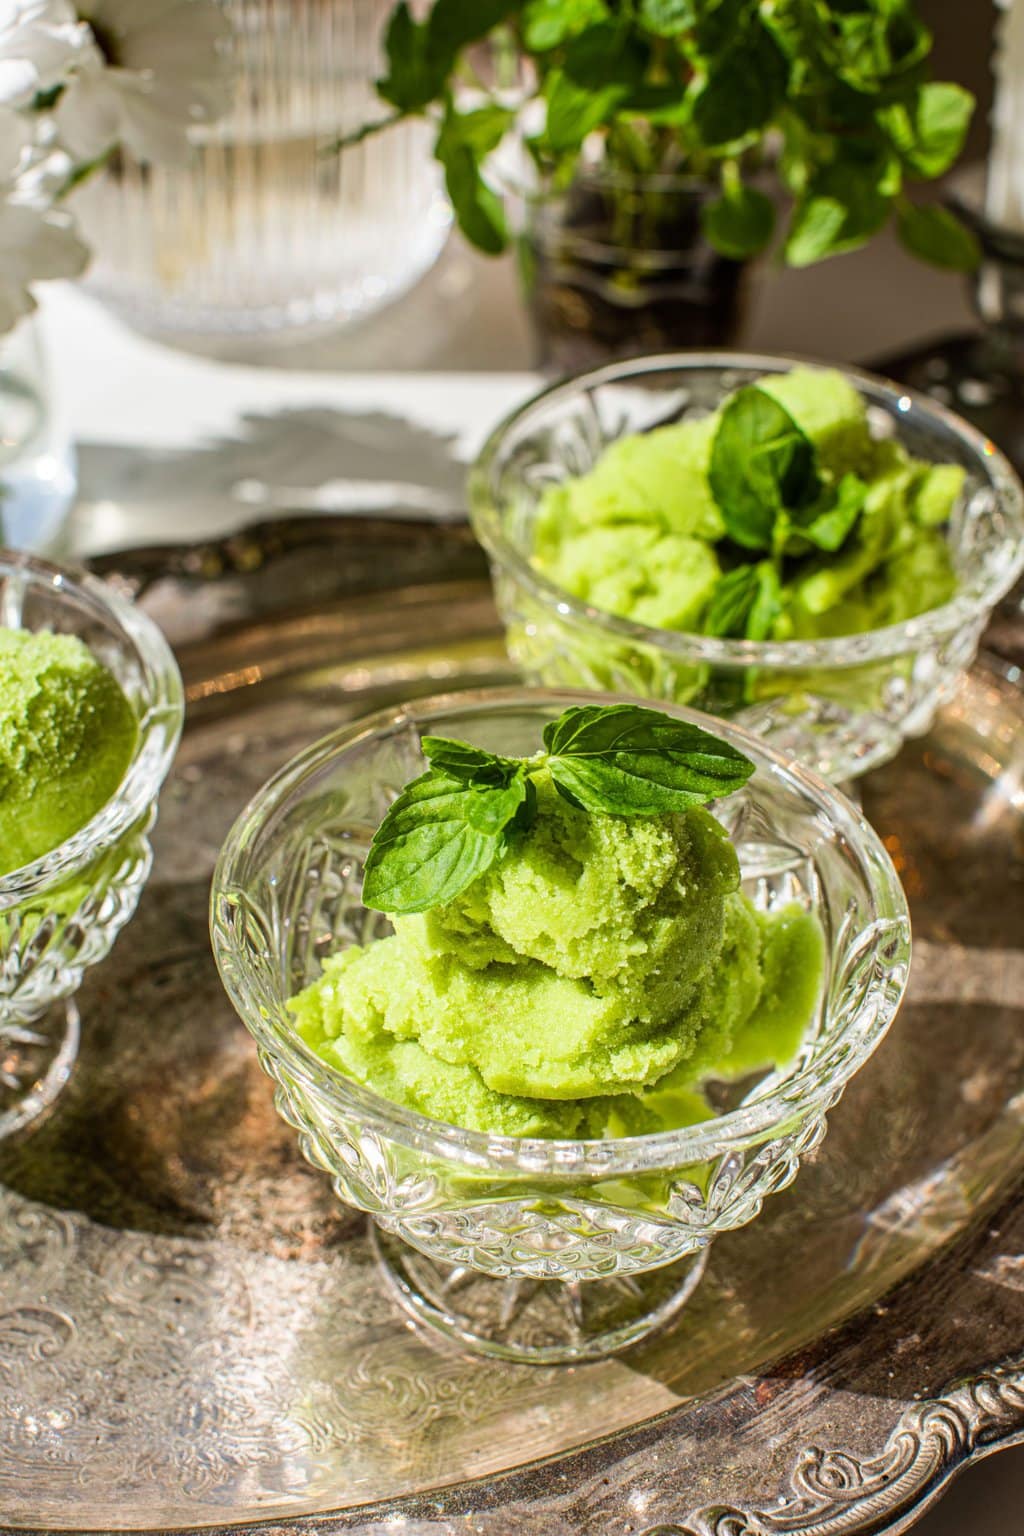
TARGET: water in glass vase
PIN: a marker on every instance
(267, 231)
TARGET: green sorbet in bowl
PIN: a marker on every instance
(67, 735)
(584, 986)
(642, 534)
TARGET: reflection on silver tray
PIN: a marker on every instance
(192, 1332)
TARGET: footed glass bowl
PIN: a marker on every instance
(534, 1249)
(841, 705)
(63, 912)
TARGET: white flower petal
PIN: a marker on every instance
(167, 68)
(88, 114)
(14, 139)
(150, 132)
(33, 245)
(40, 41)
(17, 81)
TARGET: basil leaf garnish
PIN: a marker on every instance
(745, 603)
(456, 820)
(828, 523)
(622, 760)
(761, 462)
(473, 765)
(440, 834)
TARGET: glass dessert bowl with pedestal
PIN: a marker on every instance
(537, 1248)
(840, 702)
(61, 911)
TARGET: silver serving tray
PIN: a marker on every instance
(192, 1332)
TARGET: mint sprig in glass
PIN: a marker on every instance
(459, 818)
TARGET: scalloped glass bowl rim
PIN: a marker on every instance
(817, 1083)
(160, 724)
(835, 652)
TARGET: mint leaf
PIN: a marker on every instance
(470, 764)
(760, 462)
(767, 604)
(575, 110)
(739, 223)
(667, 18)
(929, 130)
(935, 234)
(843, 206)
(480, 211)
(415, 77)
(741, 89)
(421, 56)
(549, 23)
(622, 760)
(745, 603)
(454, 24)
(438, 836)
(828, 523)
(483, 129)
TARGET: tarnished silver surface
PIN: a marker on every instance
(192, 1332)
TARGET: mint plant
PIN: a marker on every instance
(831, 97)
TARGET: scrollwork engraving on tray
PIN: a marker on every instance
(835, 1493)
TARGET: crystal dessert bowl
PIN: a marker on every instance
(841, 705)
(531, 1249)
(62, 913)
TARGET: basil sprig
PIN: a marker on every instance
(457, 819)
(775, 499)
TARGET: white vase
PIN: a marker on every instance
(267, 232)
(37, 459)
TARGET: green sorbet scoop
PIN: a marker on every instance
(67, 734)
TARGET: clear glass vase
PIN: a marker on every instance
(268, 231)
(37, 460)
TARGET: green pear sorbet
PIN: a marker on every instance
(640, 535)
(583, 986)
(67, 734)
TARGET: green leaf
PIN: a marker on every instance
(742, 88)
(608, 53)
(731, 603)
(470, 764)
(438, 836)
(483, 129)
(760, 462)
(414, 77)
(843, 206)
(745, 603)
(929, 130)
(739, 223)
(830, 527)
(877, 46)
(667, 18)
(767, 604)
(421, 55)
(454, 24)
(575, 110)
(548, 24)
(719, 23)
(622, 760)
(477, 206)
(935, 234)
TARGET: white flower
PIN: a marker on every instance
(39, 41)
(158, 67)
(34, 242)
